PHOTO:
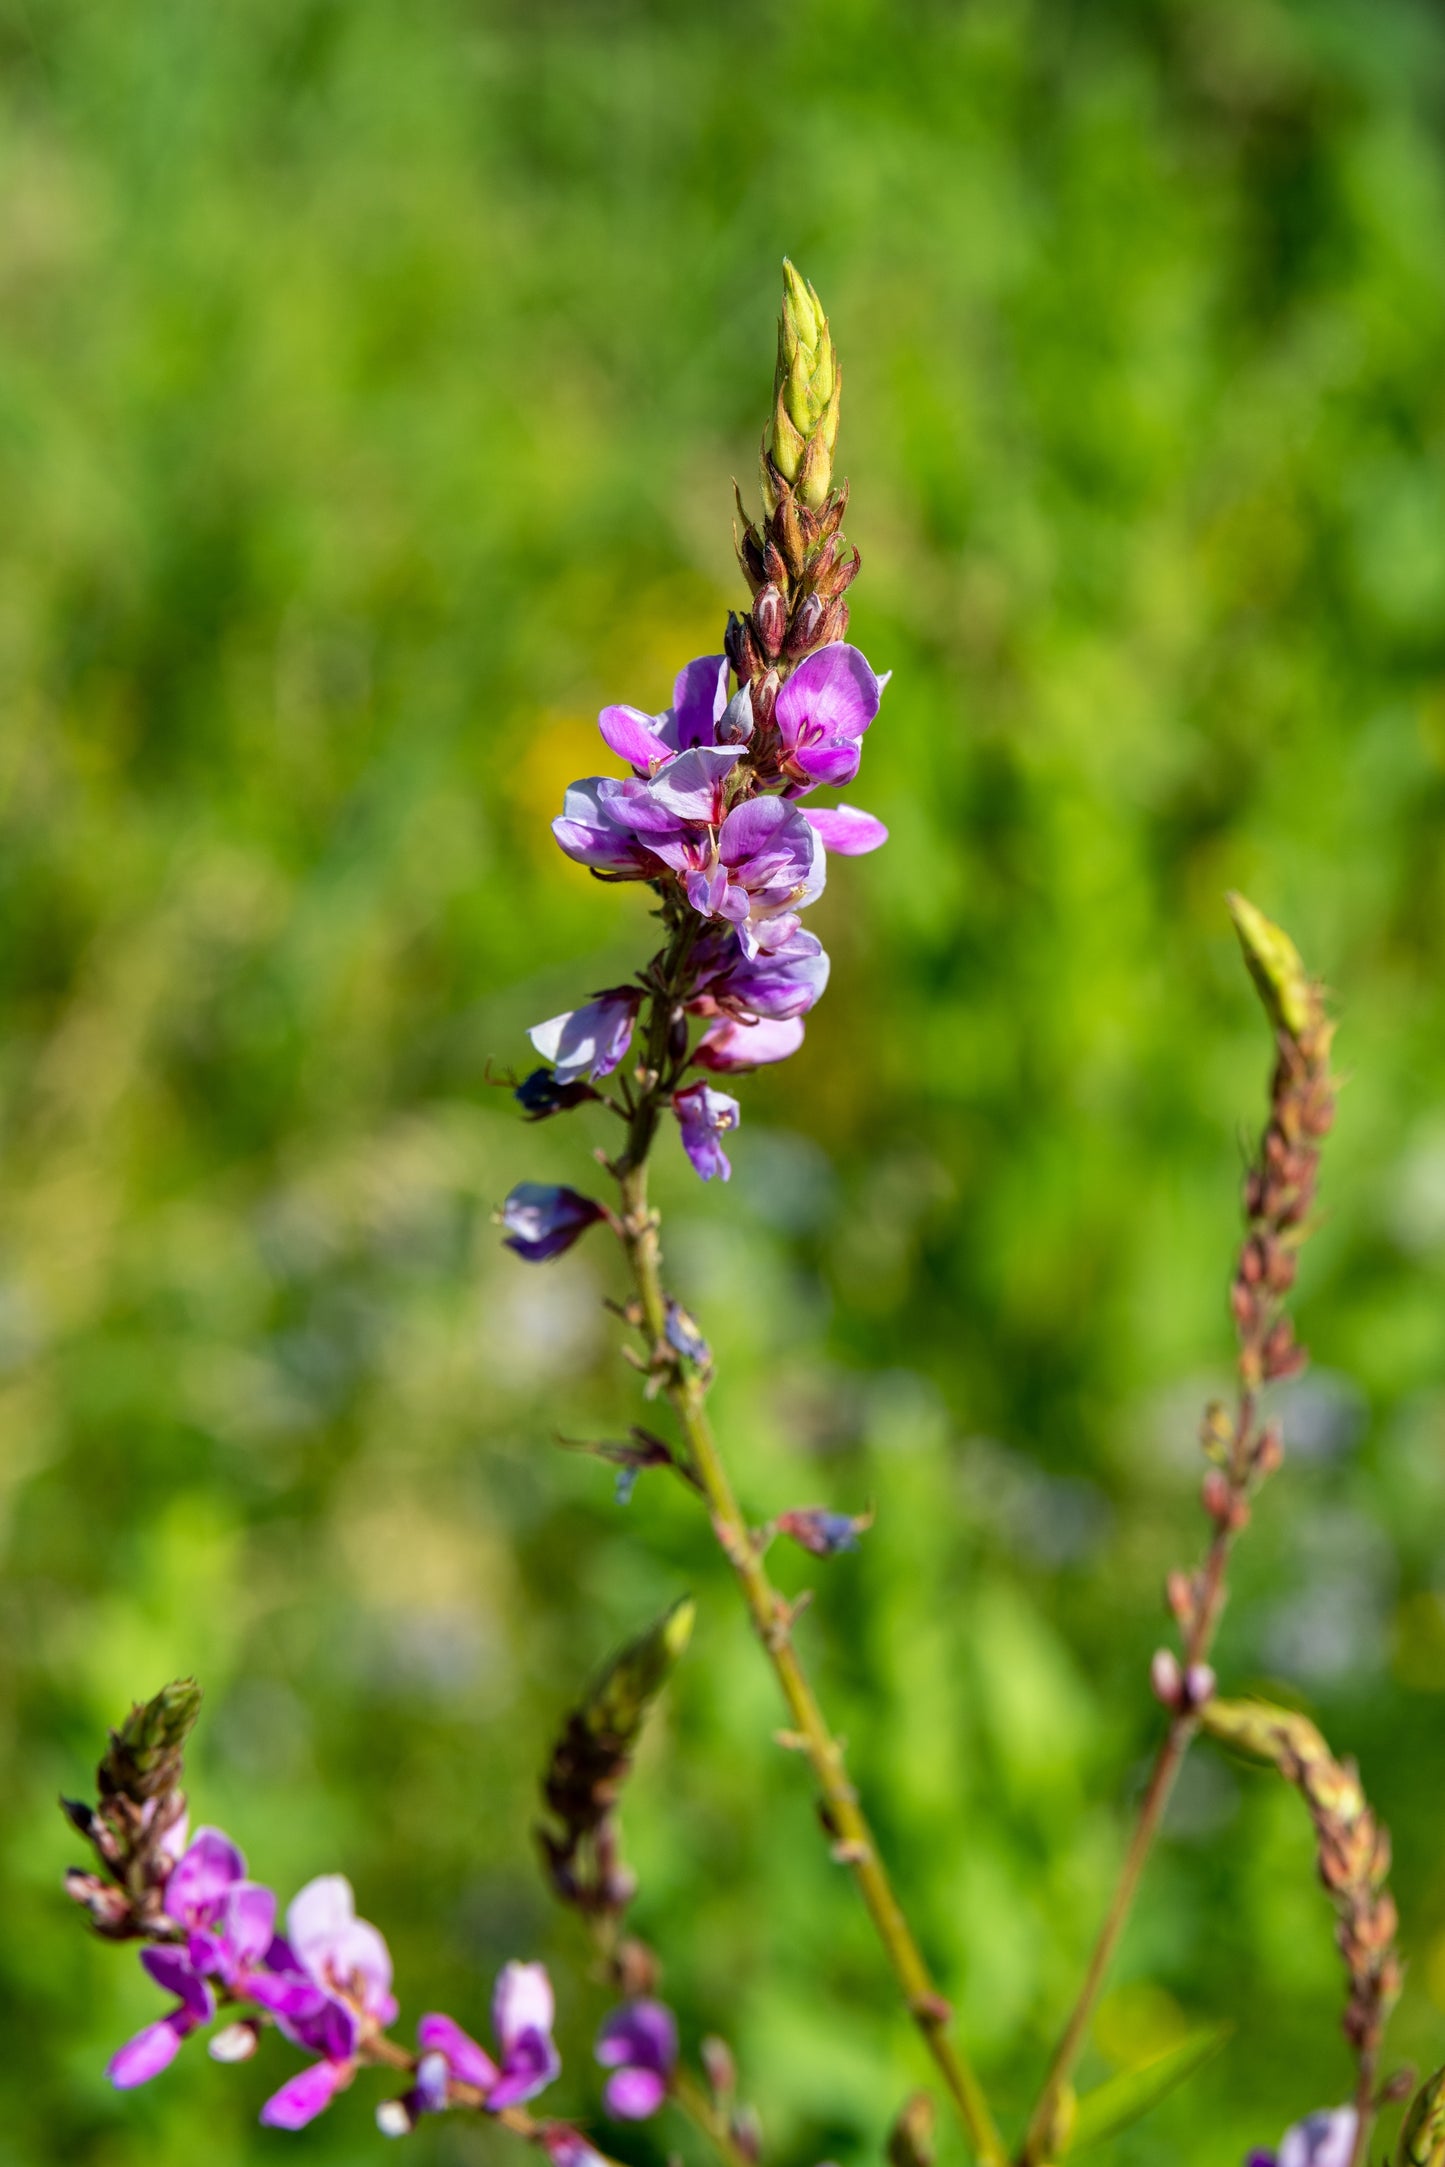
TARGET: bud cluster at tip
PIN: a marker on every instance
(1353, 1852)
(137, 1826)
(795, 560)
(590, 1763)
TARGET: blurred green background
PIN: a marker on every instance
(371, 377)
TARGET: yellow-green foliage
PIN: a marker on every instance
(371, 381)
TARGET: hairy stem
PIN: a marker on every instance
(854, 1840)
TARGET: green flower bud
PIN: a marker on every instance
(616, 1708)
(807, 388)
(143, 1760)
(1275, 966)
(1422, 2139)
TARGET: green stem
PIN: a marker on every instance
(1167, 1763)
(772, 1620)
(689, 2097)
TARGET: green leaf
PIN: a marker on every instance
(1135, 2092)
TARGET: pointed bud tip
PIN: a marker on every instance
(1275, 966)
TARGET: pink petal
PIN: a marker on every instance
(199, 1880)
(146, 2055)
(729, 1045)
(847, 829)
(834, 691)
(304, 2096)
(468, 2063)
(633, 2094)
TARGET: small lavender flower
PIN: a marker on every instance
(543, 1220)
(638, 2043)
(822, 712)
(587, 1043)
(1324, 2139)
(705, 1115)
(699, 700)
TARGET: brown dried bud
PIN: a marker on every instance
(911, 2141)
(1217, 1497)
(741, 650)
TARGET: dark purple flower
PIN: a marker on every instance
(589, 1042)
(705, 1115)
(729, 1045)
(824, 1533)
(542, 1220)
(540, 1095)
(847, 829)
(699, 699)
(784, 978)
(639, 2043)
(822, 713)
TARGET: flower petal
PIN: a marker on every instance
(730, 1045)
(318, 1914)
(833, 693)
(250, 1922)
(847, 829)
(175, 1974)
(633, 2094)
(468, 2063)
(522, 2001)
(306, 2095)
(699, 698)
(147, 2054)
(197, 1885)
(530, 2064)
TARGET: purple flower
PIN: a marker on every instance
(784, 978)
(822, 713)
(523, 2010)
(730, 1045)
(764, 861)
(522, 2016)
(543, 1220)
(540, 1095)
(699, 698)
(229, 1920)
(1325, 2139)
(229, 1923)
(847, 829)
(638, 2042)
(704, 1116)
(325, 1983)
(824, 1533)
(588, 1042)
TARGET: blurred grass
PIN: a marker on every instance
(370, 382)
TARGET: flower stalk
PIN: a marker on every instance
(1242, 1449)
